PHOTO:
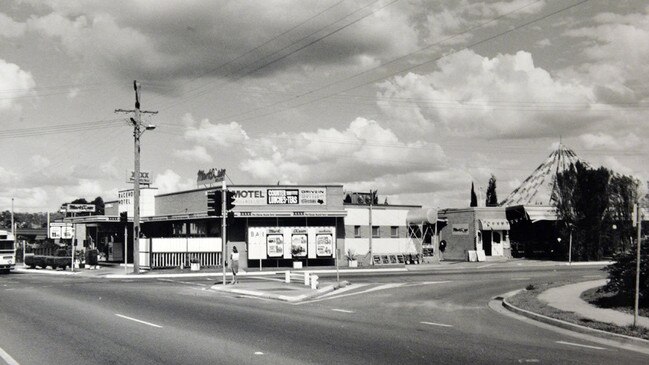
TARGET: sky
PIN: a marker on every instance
(414, 98)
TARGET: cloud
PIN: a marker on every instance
(617, 51)
(169, 181)
(506, 96)
(607, 142)
(198, 154)
(218, 135)
(15, 82)
(10, 28)
(364, 149)
(180, 39)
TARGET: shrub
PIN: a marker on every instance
(622, 274)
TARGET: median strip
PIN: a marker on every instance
(137, 320)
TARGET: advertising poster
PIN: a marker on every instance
(275, 244)
(313, 196)
(324, 245)
(283, 196)
(299, 245)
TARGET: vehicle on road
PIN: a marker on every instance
(7, 251)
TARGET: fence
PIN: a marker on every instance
(175, 259)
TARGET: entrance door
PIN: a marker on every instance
(486, 242)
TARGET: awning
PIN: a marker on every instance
(541, 213)
(493, 224)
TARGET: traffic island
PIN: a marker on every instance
(291, 293)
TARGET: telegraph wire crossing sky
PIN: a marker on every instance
(417, 99)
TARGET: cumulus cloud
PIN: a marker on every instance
(504, 96)
(218, 135)
(618, 50)
(170, 181)
(364, 151)
(15, 82)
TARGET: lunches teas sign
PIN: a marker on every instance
(279, 196)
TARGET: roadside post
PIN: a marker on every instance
(224, 213)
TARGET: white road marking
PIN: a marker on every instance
(520, 279)
(137, 320)
(436, 324)
(580, 345)
(520, 361)
(380, 287)
(593, 276)
(265, 278)
(258, 353)
(7, 358)
(483, 266)
(342, 290)
(342, 310)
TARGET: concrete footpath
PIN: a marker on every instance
(567, 298)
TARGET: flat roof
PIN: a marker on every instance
(270, 186)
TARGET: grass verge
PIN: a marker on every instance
(528, 300)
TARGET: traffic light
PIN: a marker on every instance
(214, 203)
(229, 201)
(123, 217)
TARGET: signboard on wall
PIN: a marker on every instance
(145, 177)
(80, 208)
(279, 196)
(288, 242)
(211, 176)
(61, 231)
(461, 229)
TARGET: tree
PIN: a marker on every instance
(474, 198)
(581, 196)
(623, 193)
(99, 205)
(492, 199)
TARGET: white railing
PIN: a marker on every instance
(309, 279)
(176, 259)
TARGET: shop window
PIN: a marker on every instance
(376, 232)
(496, 238)
(357, 231)
(178, 229)
(198, 229)
(394, 231)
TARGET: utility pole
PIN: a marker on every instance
(637, 268)
(138, 130)
(371, 231)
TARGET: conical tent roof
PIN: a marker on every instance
(537, 188)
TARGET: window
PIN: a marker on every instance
(376, 232)
(394, 231)
(357, 231)
(496, 238)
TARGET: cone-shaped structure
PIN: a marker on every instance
(537, 188)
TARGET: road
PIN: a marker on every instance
(421, 318)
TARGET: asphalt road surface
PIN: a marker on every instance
(423, 318)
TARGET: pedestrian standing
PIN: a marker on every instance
(234, 264)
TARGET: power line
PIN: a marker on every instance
(57, 129)
(198, 94)
(484, 40)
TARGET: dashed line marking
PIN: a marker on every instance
(580, 345)
(258, 353)
(520, 279)
(138, 320)
(7, 358)
(436, 324)
(483, 266)
(342, 310)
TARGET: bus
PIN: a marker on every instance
(7, 251)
